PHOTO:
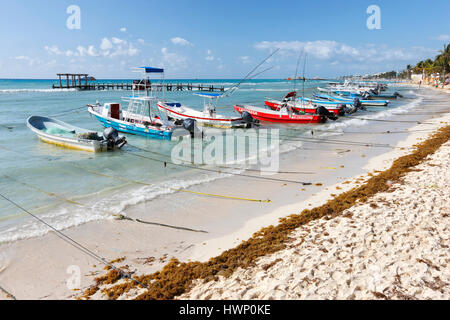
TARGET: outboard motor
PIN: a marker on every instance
(248, 119)
(321, 110)
(112, 137)
(350, 109)
(357, 104)
(365, 95)
(398, 95)
(189, 125)
(341, 109)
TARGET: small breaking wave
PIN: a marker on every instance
(36, 90)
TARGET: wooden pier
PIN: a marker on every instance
(82, 81)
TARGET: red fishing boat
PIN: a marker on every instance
(301, 107)
(284, 115)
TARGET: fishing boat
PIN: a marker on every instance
(340, 99)
(306, 108)
(298, 106)
(324, 103)
(65, 135)
(206, 117)
(284, 115)
(141, 116)
(367, 95)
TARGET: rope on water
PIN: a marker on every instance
(174, 189)
(50, 194)
(209, 170)
(122, 217)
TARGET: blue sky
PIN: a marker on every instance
(217, 39)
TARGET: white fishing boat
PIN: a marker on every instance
(207, 117)
(140, 115)
(65, 135)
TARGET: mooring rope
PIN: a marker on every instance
(123, 217)
(50, 194)
(76, 244)
(8, 294)
(174, 189)
(185, 165)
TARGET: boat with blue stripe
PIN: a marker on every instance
(141, 116)
(341, 99)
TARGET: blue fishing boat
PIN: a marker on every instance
(341, 99)
(141, 116)
(325, 103)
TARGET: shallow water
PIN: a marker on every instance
(68, 188)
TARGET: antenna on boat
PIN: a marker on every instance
(304, 67)
(296, 71)
(250, 74)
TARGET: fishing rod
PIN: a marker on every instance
(235, 87)
(67, 111)
(252, 77)
(296, 71)
(303, 88)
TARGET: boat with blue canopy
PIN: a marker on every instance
(141, 116)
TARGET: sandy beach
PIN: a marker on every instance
(395, 246)
(148, 248)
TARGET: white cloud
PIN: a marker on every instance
(106, 44)
(173, 60)
(181, 41)
(332, 50)
(443, 37)
(209, 55)
(118, 41)
(30, 61)
(123, 29)
(107, 48)
(141, 41)
(53, 50)
(245, 59)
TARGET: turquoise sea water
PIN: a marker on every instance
(65, 187)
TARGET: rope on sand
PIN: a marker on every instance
(76, 244)
(8, 295)
(122, 217)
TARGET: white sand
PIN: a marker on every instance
(395, 246)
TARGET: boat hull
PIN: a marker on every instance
(201, 118)
(126, 127)
(65, 142)
(275, 105)
(367, 103)
(271, 116)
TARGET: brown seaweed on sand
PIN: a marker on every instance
(176, 277)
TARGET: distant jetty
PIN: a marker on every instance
(82, 81)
